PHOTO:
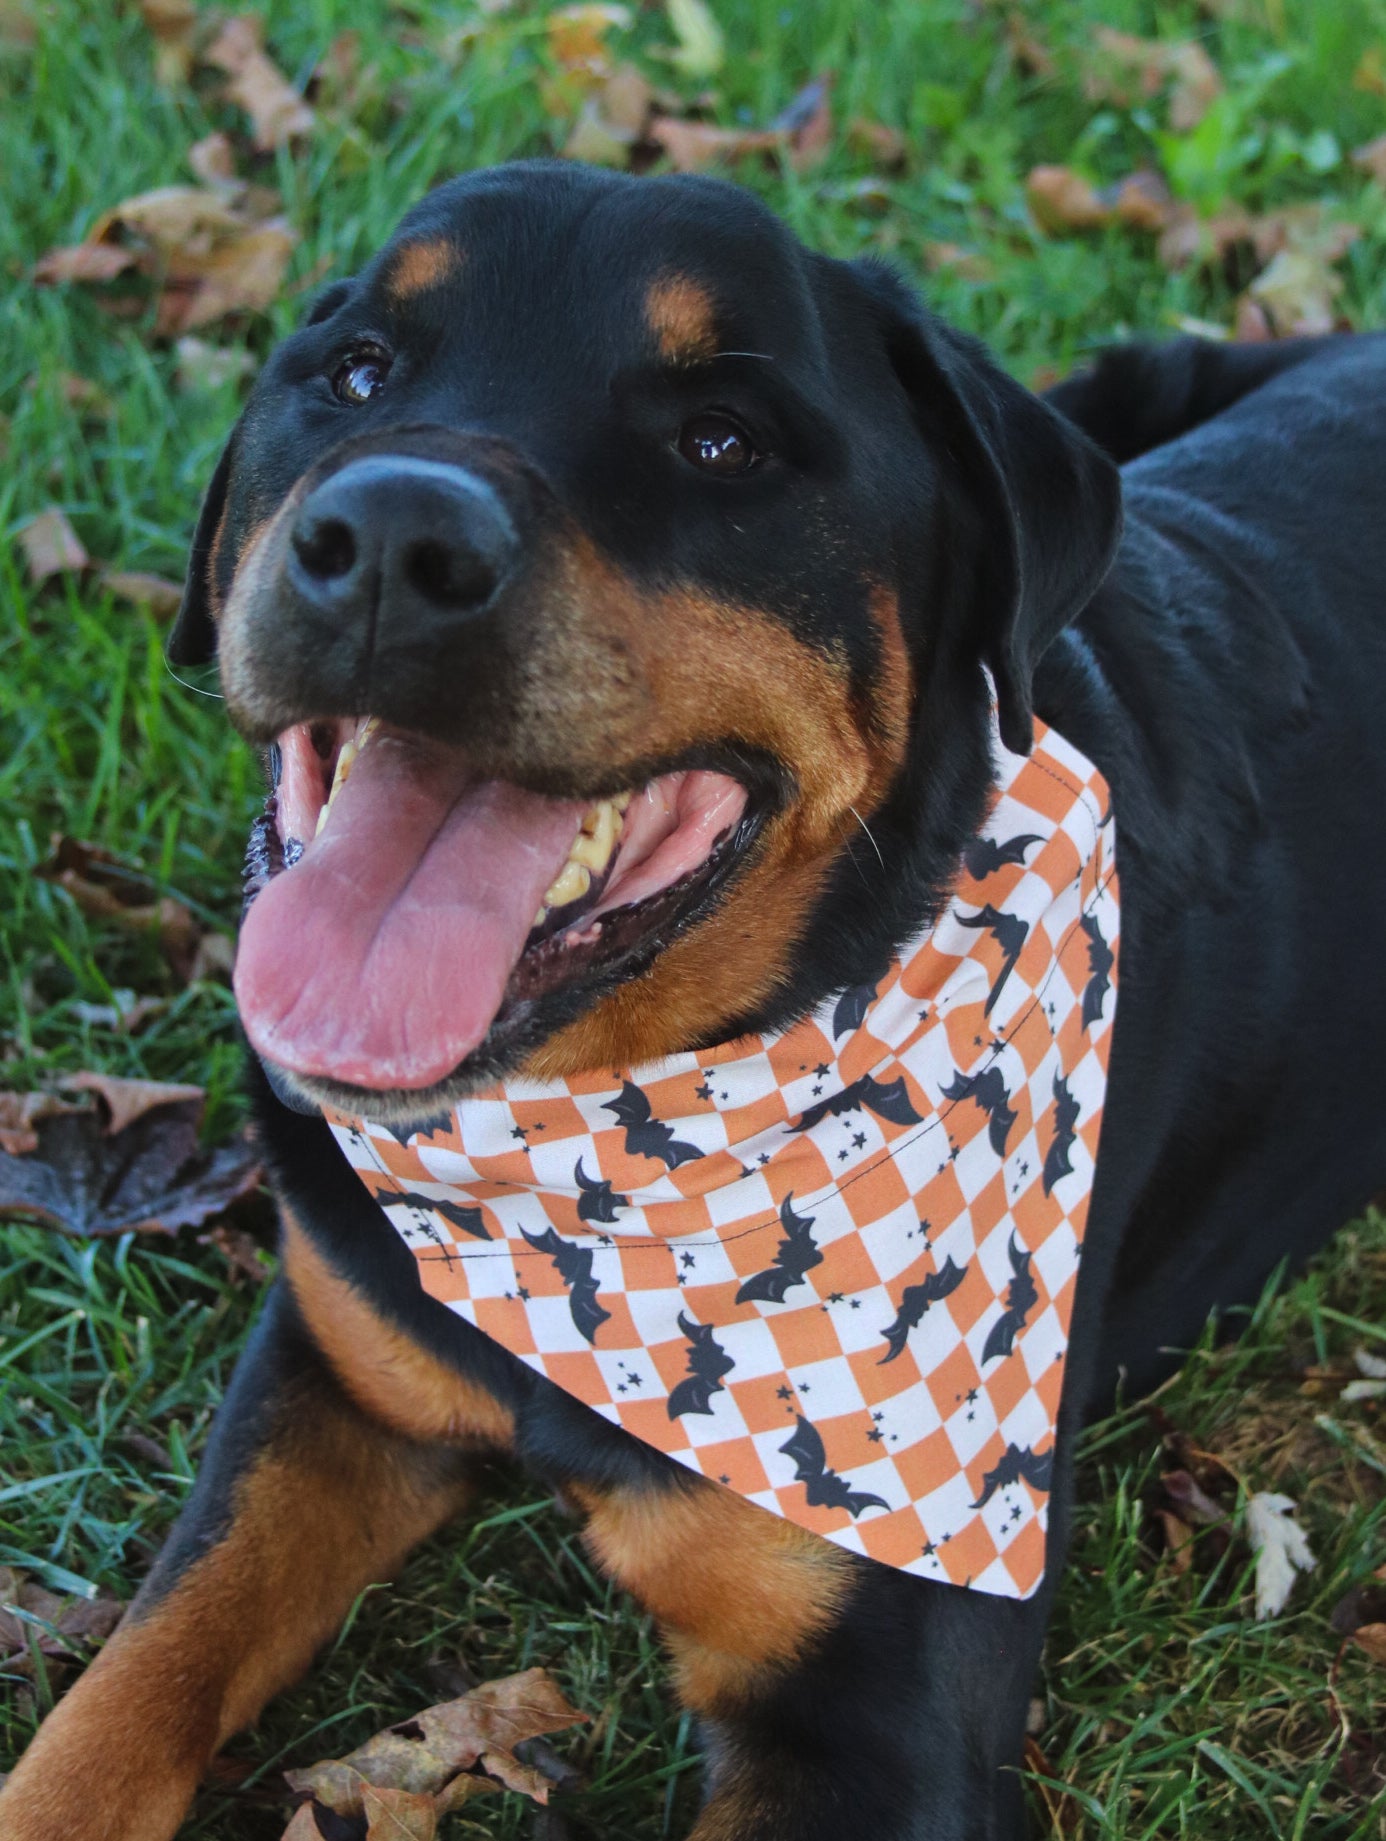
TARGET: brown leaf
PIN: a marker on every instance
(18, 1113)
(303, 1827)
(278, 114)
(88, 1178)
(1191, 1501)
(18, 32)
(244, 276)
(1372, 1639)
(126, 1101)
(1371, 158)
(1363, 1604)
(436, 1755)
(82, 262)
(1178, 1539)
(241, 1251)
(1370, 74)
(51, 546)
(75, 1621)
(1028, 48)
(692, 146)
(1063, 200)
(172, 25)
(213, 160)
(106, 889)
(162, 597)
(886, 146)
(807, 123)
(398, 1815)
(958, 260)
(577, 36)
(1124, 69)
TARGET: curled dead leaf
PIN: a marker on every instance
(90, 262)
(125, 1101)
(108, 890)
(51, 546)
(1124, 69)
(18, 1113)
(162, 597)
(446, 1755)
(173, 26)
(873, 139)
(72, 1623)
(278, 114)
(1062, 199)
(213, 160)
(577, 36)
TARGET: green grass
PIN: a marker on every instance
(1165, 1708)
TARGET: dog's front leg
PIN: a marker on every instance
(301, 1502)
(838, 1698)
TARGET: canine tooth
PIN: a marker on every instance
(571, 883)
(592, 845)
(350, 750)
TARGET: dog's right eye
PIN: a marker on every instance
(361, 375)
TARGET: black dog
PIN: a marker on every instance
(589, 480)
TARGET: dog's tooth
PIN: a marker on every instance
(571, 884)
(593, 843)
(349, 752)
(365, 732)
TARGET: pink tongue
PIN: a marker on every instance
(382, 956)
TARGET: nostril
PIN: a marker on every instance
(326, 547)
(448, 574)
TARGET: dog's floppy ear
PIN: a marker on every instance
(1047, 501)
(193, 640)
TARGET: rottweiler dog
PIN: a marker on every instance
(596, 503)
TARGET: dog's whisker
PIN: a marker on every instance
(196, 689)
(870, 839)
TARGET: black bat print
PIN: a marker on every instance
(852, 1006)
(1009, 932)
(888, 1098)
(598, 1200)
(574, 1266)
(914, 1303)
(1066, 1109)
(825, 1489)
(796, 1254)
(425, 1128)
(708, 1361)
(990, 1092)
(469, 1220)
(984, 856)
(1037, 1468)
(645, 1136)
(1021, 1298)
(1101, 959)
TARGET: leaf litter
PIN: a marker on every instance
(405, 1779)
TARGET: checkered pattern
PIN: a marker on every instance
(832, 1269)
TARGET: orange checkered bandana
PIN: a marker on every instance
(833, 1268)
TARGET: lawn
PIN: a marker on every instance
(1164, 1709)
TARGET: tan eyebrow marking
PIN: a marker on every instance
(681, 314)
(420, 266)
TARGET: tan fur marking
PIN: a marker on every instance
(681, 314)
(420, 266)
(313, 1523)
(610, 683)
(738, 1593)
(386, 1373)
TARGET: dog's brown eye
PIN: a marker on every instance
(716, 444)
(361, 376)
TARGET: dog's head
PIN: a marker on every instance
(611, 580)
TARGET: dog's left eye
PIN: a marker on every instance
(361, 375)
(717, 444)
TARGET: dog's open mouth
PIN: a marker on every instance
(403, 909)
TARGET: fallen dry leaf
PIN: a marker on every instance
(18, 1113)
(125, 1100)
(807, 122)
(1124, 69)
(278, 114)
(1062, 199)
(577, 36)
(173, 26)
(51, 546)
(211, 250)
(1028, 48)
(162, 597)
(213, 160)
(1281, 1548)
(958, 259)
(1370, 74)
(1371, 158)
(75, 1622)
(886, 146)
(87, 1178)
(106, 889)
(798, 134)
(430, 1765)
(241, 1251)
(1298, 287)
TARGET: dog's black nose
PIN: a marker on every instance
(412, 538)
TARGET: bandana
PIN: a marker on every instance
(833, 1268)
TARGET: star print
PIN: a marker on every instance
(726, 1096)
(971, 1396)
(784, 1393)
(538, 1128)
(941, 1168)
(520, 1133)
(928, 1550)
(822, 1070)
(724, 1479)
(687, 1260)
(944, 1540)
(635, 1380)
(856, 1304)
(704, 1091)
(680, 1278)
(972, 1415)
(606, 1240)
(803, 1387)
(1025, 1169)
(818, 1087)
(1016, 1512)
(874, 1437)
(923, 1013)
(523, 1293)
(836, 1297)
(878, 1417)
(976, 1041)
(842, 1156)
(764, 1157)
(858, 1139)
(510, 1297)
(620, 1387)
(954, 1154)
